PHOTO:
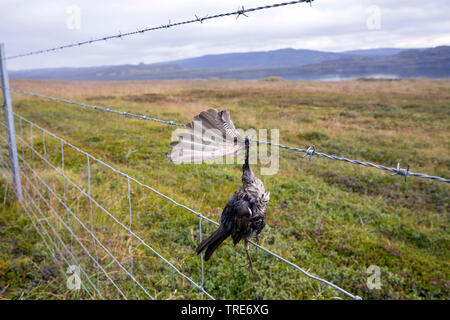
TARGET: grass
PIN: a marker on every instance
(332, 218)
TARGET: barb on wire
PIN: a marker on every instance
(401, 172)
(166, 26)
(201, 19)
(396, 171)
(238, 13)
(241, 12)
(311, 151)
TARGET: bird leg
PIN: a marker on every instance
(250, 266)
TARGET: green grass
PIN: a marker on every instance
(332, 218)
(27, 270)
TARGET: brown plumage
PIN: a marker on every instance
(244, 215)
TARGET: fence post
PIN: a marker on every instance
(10, 124)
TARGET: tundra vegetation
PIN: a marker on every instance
(332, 218)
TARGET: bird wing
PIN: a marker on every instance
(242, 215)
(209, 136)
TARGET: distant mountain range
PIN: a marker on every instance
(275, 59)
(286, 63)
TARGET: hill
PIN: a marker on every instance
(257, 60)
(287, 63)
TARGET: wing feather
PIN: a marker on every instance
(216, 138)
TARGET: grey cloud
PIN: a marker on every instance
(332, 25)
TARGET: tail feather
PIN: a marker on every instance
(213, 246)
(213, 242)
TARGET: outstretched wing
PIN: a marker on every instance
(209, 136)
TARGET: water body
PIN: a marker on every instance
(343, 78)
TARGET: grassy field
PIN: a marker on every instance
(331, 218)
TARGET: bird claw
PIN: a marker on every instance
(250, 266)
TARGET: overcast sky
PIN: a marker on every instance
(329, 25)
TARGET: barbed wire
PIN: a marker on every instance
(127, 228)
(241, 11)
(27, 210)
(310, 152)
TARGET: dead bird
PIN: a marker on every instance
(244, 216)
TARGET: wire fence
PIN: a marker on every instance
(119, 246)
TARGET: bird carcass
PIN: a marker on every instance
(212, 135)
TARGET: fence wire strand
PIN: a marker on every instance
(309, 152)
